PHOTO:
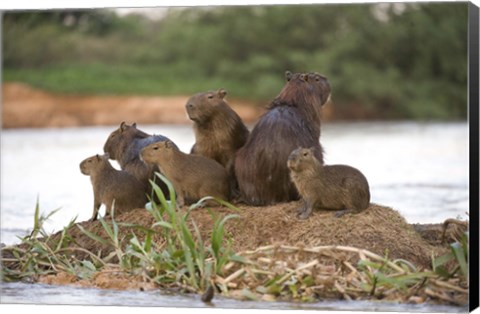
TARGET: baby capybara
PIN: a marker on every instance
(292, 120)
(192, 176)
(124, 145)
(114, 188)
(219, 131)
(334, 187)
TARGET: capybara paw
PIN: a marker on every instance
(180, 204)
(341, 213)
(303, 215)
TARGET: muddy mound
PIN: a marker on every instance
(378, 229)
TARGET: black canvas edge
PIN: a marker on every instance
(473, 103)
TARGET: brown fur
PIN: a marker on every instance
(115, 188)
(124, 145)
(335, 187)
(219, 131)
(192, 176)
(292, 120)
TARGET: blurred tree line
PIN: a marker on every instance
(385, 61)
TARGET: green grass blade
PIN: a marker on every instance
(107, 229)
(163, 224)
(459, 254)
(92, 235)
(36, 217)
(159, 194)
(170, 187)
(218, 232)
(148, 242)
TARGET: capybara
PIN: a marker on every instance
(114, 188)
(334, 187)
(124, 145)
(219, 131)
(192, 176)
(292, 120)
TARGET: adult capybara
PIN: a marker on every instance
(192, 176)
(114, 188)
(124, 145)
(334, 187)
(219, 131)
(292, 120)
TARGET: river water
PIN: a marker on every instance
(419, 169)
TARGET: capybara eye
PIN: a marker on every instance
(155, 148)
(210, 96)
(305, 154)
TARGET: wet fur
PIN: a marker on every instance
(292, 120)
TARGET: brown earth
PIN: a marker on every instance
(378, 229)
(26, 107)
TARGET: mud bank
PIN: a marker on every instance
(27, 107)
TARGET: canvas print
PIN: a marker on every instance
(268, 157)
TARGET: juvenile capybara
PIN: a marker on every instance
(292, 120)
(114, 188)
(124, 145)
(219, 131)
(192, 176)
(334, 187)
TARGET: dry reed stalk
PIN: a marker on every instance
(285, 265)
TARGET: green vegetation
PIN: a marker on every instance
(40, 254)
(383, 60)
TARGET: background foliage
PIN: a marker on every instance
(384, 61)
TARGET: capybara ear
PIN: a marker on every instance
(305, 77)
(168, 144)
(123, 126)
(134, 125)
(288, 75)
(222, 93)
(98, 157)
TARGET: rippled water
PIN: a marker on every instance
(51, 294)
(419, 169)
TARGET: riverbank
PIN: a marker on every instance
(27, 107)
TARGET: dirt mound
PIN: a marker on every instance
(378, 229)
(27, 107)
